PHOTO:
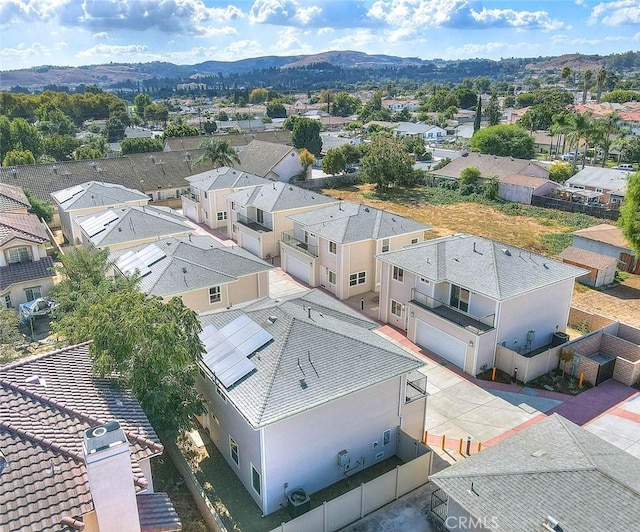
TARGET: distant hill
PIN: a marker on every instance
(576, 62)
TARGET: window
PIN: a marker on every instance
(385, 245)
(332, 247)
(233, 205)
(255, 479)
(459, 298)
(214, 294)
(424, 280)
(234, 451)
(32, 293)
(234, 228)
(7, 301)
(222, 215)
(260, 216)
(206, 195)
(332, 277)
(18, 255)
(386, 437)
(396, 308)
(357, 278)
(414, 240)
(598, 190)
(398, 274)
(206, 215)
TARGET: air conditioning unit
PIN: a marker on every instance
(344, 459)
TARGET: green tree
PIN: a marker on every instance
(152, 347)
(140, 145)
(469, 175)
(41, 208)
(505, 140)
(334, 161)
(180, 130)
(210, 127)
(306, 159)
(25, 137)
(218, 152)
(276, 109)
(566, 72)
(351, 153)
(114, 130)
(53, 121)
(629, 221)
(223, 116)
(259, 95)
(140, 102)
(386, 163)
(600, 79)
(5, 136)
(18, 157)
(586, 78)
(491, 187)
(478, 119)
(467, 98)
(492, 111)
(306, 134)
(345, 105)
(414, 145)
(621, 96)
(156, 113)
(560, 171)
(631, 149)
(60, 147)
(10, 335)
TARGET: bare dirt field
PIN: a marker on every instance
(620, 302)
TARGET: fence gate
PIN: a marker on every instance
(439, 504)
(605, 371)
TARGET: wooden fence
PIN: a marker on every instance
(570, 206)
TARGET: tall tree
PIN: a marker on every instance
(586, 78)
(334, 161)
(306, 134)
(493, 110)
(478, 119)
(566, 72)
(504, 140)
(579, 129)
(218, 152)
(140, 102)
(386, 163)
(151, 346)
(629, 221)
(600, 78)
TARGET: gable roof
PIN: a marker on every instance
(335, 352)
(234, 139)
(193, 263)
(141, 171)
(12, 198)
(346, 222)
(23, 226)
(94, 194)
(278, 196)
(134, 223)
(597, 177)
(605, 233)
(496, 270)
(417, 128)
(225, 178)
(490, 165)
(552, 468)
(46, 403)
(586, 258)
(528, 181)
(259, 157)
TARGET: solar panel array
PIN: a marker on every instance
(97, 224)
(67, 193)
(227, 349)
(140, 260)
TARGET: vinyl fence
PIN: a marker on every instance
(368, 497)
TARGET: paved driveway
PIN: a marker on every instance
(620, 426)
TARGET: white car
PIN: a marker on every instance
(626, 167)
(571, 155)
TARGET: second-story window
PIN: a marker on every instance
(332, 247)
(398, 274)
(385, 245)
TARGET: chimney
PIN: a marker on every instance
(106, 454)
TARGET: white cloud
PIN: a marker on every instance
(100, 35)
(15, 11)
(23, 51)
(108, 50)
(271, 11)
(215, 31)
(490, 49)
(325, 31)
(306, 15)
(354, 40)
(636, 37)
(292, 41)
(581, 41)
(616, 13)
(241, 50)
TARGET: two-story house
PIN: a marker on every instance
(259, 215)
(200, 270)
(302, 392)
(271, 161)
(205, 203)
(26, 272)
(13, 199)
(336, 246)
(460, 295)
(90, 198)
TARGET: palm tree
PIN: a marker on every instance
(218, 152)
(560, 127)
(600, 77)
(579, 128)
(566, 72)
(588, 74)
(603, 131)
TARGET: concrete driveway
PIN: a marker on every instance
(620, 425)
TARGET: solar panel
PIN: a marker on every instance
(237, 324)
(151, 254)
(96, 224)
(67, 194)
(254, 343)
(223, 364)
(235, 373)
(129, 263)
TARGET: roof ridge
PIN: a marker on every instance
(494, 246)
(28, 360)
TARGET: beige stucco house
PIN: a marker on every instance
(336, 246)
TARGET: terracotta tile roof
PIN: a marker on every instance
(23, 226)
(589, 259)
(46, 403)
(12, 198)
(26, 271)
(606, 233)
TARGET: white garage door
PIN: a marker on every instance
(298, 268)
(190, 211)
(440, 343)
(251, 244)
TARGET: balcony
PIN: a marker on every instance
(292, 241)
(259, 227)
(452, 314)
(191, 196)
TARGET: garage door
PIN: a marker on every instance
(251, 244)
(190, 211)
(299, 269)
(440, 343)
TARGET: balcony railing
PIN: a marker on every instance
(191, 196)
(260, 227)
(292, 241)
(452, 314)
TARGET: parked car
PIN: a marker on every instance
(571, 155)
(627, 167)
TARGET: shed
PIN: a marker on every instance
(602, 268)
(520, 188)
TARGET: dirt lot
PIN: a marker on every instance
(620, 302)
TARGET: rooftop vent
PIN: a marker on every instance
(506, 252)
(272, 319)
(37, 380)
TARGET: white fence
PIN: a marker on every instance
(364, 499)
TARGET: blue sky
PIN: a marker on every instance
(80, 32)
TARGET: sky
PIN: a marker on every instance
(84, 32)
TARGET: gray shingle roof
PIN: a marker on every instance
(41, 434)
(605, 233)
(489, 165)
(26, 271)
(142, 171)
(551, 468)
(278, 196)
(234, 139)
(346, 222)
(194, 263)
(496, 270)
(138, 222)
(586, 258)
(336, 342)
(12, 198)
(259, 157)
(604, 178)
(225, 177)
(95, 193)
